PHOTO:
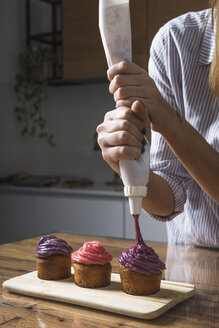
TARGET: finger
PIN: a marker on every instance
(142, 112)
(124, 113)
(118, 153)
(126, 80)
(122, 126)
(123, 67)
(124, 103)
(119, 138)
(127, 91)
(138, 108)
(129, 101)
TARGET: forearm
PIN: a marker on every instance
(199, 158)
(160, 198)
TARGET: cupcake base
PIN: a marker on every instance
(54, 267)
(92, 276)
(139, 284)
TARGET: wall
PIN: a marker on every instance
(72, 112)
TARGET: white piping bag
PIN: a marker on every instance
(115, 30)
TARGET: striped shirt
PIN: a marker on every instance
(180, 58)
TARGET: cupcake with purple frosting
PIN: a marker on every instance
(53, 258)
(140, 268)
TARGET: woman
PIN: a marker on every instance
(181, 106)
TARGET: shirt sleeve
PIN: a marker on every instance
(163, 160)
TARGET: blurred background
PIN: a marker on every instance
(53, 94)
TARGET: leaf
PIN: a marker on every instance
(31, 89)
(19, 118)
(51, 141)
(33, 130)
(42, 134)
(24, 131)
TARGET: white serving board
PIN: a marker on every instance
(110, 298)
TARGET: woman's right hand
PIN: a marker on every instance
(121, 135)
(129, 82)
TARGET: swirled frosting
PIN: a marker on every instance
(140, 257)
(51, 245)
(92, 252)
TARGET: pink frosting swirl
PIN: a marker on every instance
(92, 252)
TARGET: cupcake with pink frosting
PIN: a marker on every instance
(92, 267)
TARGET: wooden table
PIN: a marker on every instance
(186, 264)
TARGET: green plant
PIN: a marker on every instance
(31, 89)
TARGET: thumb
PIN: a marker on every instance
(138, 108)
(141, 112)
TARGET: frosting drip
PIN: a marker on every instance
(140, 257)
(92, 252)
(51, 245)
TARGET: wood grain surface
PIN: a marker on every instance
(184, 264)
(110, 298)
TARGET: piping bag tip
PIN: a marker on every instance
(135, 205)
(135, 195)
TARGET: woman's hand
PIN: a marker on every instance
(121, 135)
(130, 82)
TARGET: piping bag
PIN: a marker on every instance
(115, 31)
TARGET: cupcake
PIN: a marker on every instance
(92, 267)
(140, 268)
(53, 258)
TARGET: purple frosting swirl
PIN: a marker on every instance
(140, 257)
(51, 245)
